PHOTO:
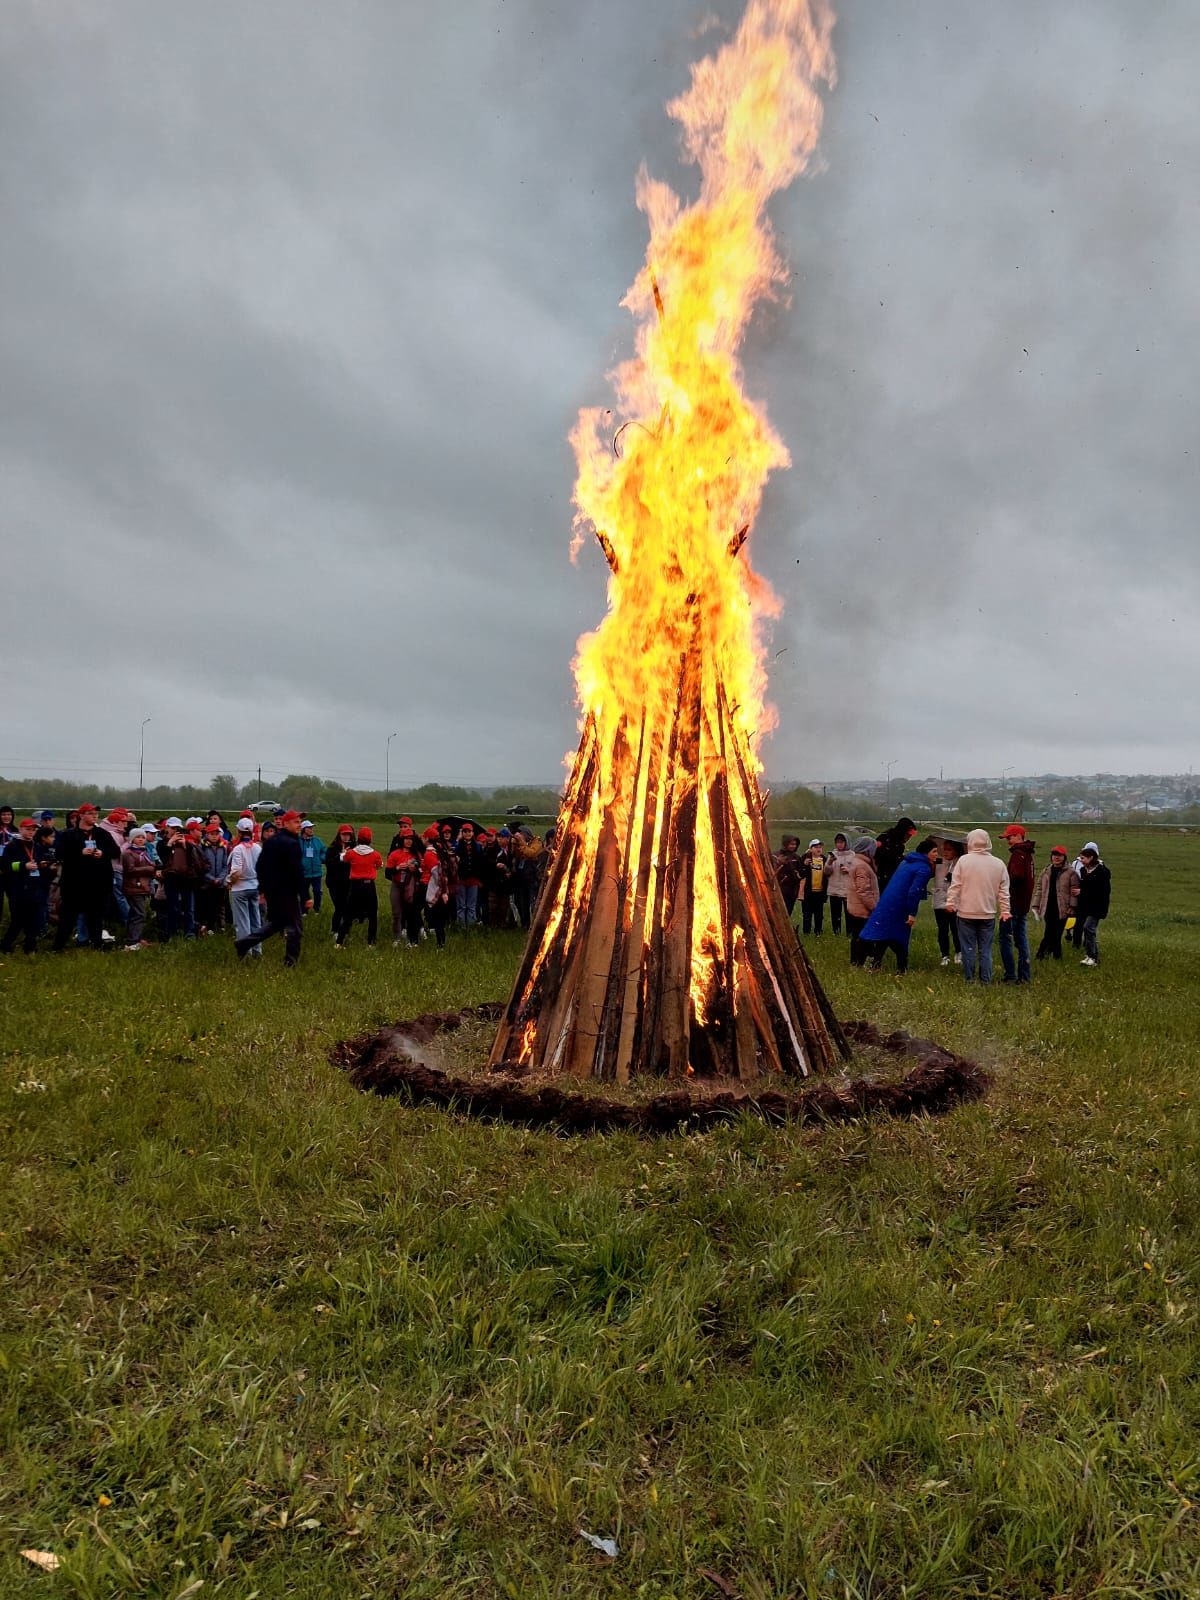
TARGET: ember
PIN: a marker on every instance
(661, 944)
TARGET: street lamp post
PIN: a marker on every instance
(1004, 788)
(387, 765)
(142, 757)
(889, 765)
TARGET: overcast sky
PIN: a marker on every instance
(298, 304)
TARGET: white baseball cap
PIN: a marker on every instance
(812, 842)
(245, 825)
(174, 822)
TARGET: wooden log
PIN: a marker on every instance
(744, 1030)
(568, 856)
(820, 1030)
(629, 996)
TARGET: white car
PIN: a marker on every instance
(264, 805)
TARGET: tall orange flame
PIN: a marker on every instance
(662, 807)
(684, 482)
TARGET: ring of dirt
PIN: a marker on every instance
(395, 1061)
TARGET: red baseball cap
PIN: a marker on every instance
(27, 822)
(406, 822)
(364, 836)
(87, 805)
(1014, 831)
(1058, 849)
(291, 816)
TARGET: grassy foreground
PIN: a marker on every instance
(265, 1337)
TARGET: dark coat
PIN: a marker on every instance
(1095, 892)
(281, 866)
(889, 849)
(19, 860)
(906, 888)
(1021, 877)
(788, 875)
(87, 874)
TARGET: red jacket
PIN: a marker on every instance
(365, 863)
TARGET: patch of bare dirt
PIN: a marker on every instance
(437, 1059)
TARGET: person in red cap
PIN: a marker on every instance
(86, 855)
(1054, 901)
(337, 871)
(362, 902)
(210, 899)
(403, 872)
(1014, 934)
(281, 879)
(23, 862)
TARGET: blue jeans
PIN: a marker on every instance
(119, 900)
(975, 935)
(1091, 940)
(247, 917)
(181, 908)
(1014, 932)
(467, 902)
(313, 886)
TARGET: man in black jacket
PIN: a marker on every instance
(86, 854)
(281, 880)
(1095, 893)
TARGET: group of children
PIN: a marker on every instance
(113, 881)
(875, 891)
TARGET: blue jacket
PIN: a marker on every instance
(905, 890)
(312, 851)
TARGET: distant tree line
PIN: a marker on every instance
(304, 791)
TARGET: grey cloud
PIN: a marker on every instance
(294, 322)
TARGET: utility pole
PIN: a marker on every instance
(387, 765)
(889, 765)
(260, 780)
(142, 758)
(1004, 788)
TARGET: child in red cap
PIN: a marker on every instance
(362, 902)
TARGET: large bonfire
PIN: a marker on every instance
(661, 945)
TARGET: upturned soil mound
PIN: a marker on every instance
(399, 1061)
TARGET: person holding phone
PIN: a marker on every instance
(86, 855)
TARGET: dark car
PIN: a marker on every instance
(517, 811)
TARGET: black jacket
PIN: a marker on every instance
(1095, 892)
(19, 860)
(281, 866)
(90, 872)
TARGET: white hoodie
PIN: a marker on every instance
(979, 882)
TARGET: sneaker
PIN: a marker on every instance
(106, 937)
(1087, 962)
(945, 961)
(958, 961)
(133, 947)
(395, 944)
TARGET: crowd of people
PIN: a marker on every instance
(115, 882)
(874, 890)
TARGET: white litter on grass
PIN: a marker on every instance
(46, 1559)
(606, 1547)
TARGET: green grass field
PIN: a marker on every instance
(266, 1337)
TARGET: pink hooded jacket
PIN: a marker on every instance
(979, 882)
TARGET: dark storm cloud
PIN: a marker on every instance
(297, 308)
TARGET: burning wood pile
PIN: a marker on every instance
(661, 945)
